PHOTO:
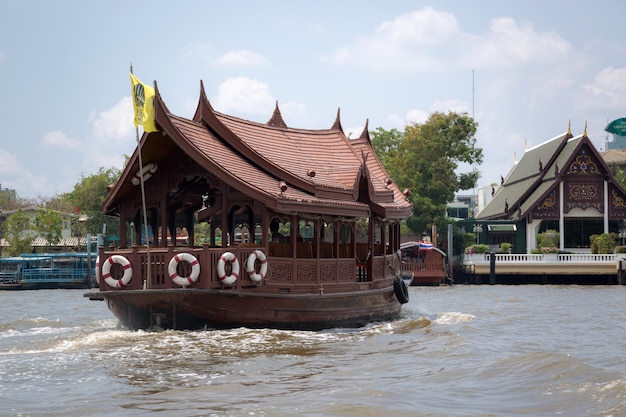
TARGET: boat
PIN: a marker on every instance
(72, 270)
(426, 263)
(284, 228)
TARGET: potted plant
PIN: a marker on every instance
(505, 247)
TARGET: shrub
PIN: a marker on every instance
(505, 247)
(604, 243)
(548, 239)
(549, 249)
(477, 248)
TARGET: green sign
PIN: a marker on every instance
(113, 238)
(617, 127)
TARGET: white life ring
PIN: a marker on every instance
(106, 271)
(250, 266)
(195, 269)
(147, 171)
(221, 268)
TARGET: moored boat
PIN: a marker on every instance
(426, 262)
(284, 228)
(72, 270)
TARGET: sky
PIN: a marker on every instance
(523, 70)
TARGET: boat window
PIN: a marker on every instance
(345, 241)
(327, 240)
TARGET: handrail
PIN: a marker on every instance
(479, 258)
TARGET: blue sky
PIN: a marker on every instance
(523, 69)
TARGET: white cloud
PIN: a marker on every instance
(416, 116)
(59, 140)
(291, 109)
(242, 58)
(198, 50)
(115, 123)
(450, 105)
(508, 45)
(8, 164)
(244, 95)
(113, 136)
(407, 43)
(608, 89)
(444, 106)
(15, 176)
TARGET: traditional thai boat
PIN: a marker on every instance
(282, 227)
(426, 263)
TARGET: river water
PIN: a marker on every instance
(456, 351)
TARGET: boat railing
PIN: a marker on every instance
(421, 266)
(281, 270)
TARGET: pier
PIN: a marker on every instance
(563, 268)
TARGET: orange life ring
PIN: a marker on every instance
(221, 268)
(250, 266)
(195, 269)
(147, 171)
(106, 271)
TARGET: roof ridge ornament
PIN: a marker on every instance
(365, 134)
(337, 124)
(569, 127)
(277, 119)
(585, 131)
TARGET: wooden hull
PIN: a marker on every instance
(223, 308)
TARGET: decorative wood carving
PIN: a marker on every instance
(549, 207)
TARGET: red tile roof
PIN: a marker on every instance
(254, 157)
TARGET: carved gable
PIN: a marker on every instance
(584, 182)
(548, 208)
(617, 203)
(585, 164)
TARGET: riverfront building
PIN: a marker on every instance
(563, 184)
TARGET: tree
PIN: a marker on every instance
(88, 196)
(426, 161)
(49, 226)
(386, 143)
(15, 229)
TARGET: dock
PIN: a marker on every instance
(563, 268)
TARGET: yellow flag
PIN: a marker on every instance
(143, 103)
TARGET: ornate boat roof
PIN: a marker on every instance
(324, 172)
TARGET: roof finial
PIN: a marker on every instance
(569, 126)
(585, 132)
(277, 119)
(365, 134)
(337, 123)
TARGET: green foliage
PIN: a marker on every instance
(620, 249)
(425, 159)
(49, 226)
(477, 248)
(604, 243)
(547, 239)
(15, 229)
(87, 198)
(506, 247)
(618, 174)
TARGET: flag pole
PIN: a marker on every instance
(143, 206)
